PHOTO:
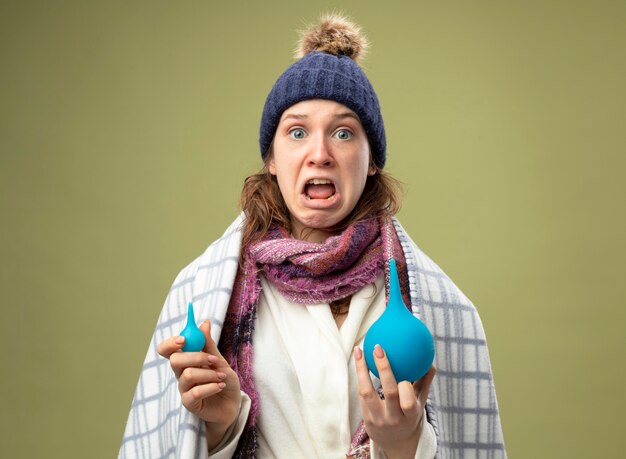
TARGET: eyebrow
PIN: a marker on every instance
(296, 116)
(301, 116)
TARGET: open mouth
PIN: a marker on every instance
(319, 189)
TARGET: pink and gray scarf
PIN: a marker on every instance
(306, 273)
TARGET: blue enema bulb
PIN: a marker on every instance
(194, 338)
(405, 339)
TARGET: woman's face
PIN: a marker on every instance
(321, 159)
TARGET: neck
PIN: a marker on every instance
(310, 234)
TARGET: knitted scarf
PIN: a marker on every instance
(305, 273)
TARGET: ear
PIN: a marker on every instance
(371, 167)
(271, 166)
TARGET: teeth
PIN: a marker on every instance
(309, 198)
(319, 182)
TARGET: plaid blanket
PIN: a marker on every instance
(462, 407)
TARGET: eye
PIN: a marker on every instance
(343, 134)
(297, 133)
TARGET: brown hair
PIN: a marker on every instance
(263, 204)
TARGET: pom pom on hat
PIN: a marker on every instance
(334, 35)
(327, 70)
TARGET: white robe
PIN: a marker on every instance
(306, 378)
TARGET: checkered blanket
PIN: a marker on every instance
(462, 407)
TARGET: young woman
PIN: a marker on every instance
(292, 287)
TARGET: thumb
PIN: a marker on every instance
(422, 386)
(209, 347)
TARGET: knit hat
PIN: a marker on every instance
(327, 69)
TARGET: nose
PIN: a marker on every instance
(320, 154)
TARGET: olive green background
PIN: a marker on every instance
(126, 129)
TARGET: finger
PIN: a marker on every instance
(408, 400)
(191, 377)
(192, 399)
(368, 397)
(387, 380)
(170, 345)
(210, 347)
(422, 386)
(181, 360)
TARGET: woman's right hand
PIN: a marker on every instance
(208, 386)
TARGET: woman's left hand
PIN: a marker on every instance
(395, 423)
